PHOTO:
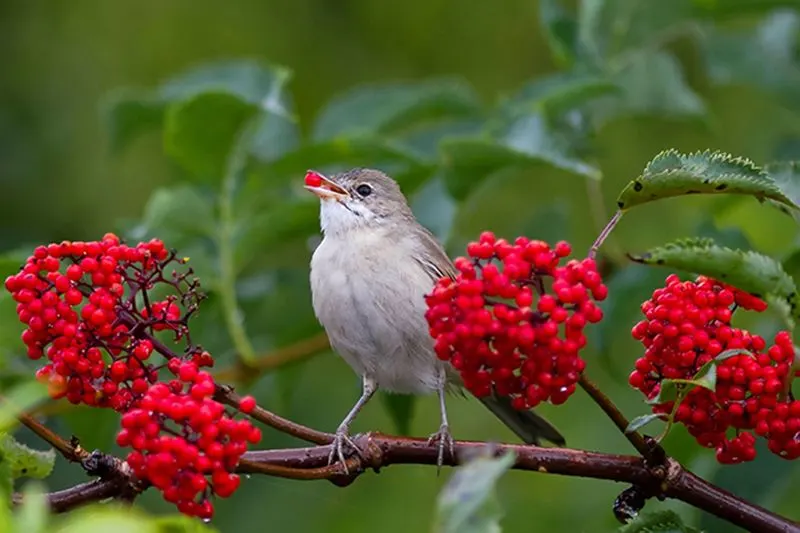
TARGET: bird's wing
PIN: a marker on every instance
(432, 256)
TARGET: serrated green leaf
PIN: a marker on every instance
(388, 108)
(401, 410)
(672, 173)
(746, 270)
(529, 141)
(31, 516)
(640, 421)
(18, 400)
(557, 93)
(468, 504)
(657, 522)
(25, 461)
(200, 131)
(786, 175)
(561, 30)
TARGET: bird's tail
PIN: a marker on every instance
(528, 426)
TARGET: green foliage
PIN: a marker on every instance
(658, 522)
(25, 461)
(750, 271)
(401, 409)
(468, 502)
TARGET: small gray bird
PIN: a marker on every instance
(369, 278)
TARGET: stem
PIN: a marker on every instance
(604, 233)
(71, 452)
(616, 416)
(594, 192)
(227, 285)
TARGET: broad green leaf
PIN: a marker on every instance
(746, 270)
(529, 141)
(101, 518)
(338, 154)
(19, 399)
(468, 503)
(401, 410)
(652, 84)
(388, 108)
(183, 209)
(640, 421)
(24, 461)
(130, 113)
(200, 132)
(179, 523)
(560, 28)
(786, 175)
(31, 516)
(657, 522)
(276, 225)
(557, 93)
(672, 173)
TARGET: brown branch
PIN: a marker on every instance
(225, 394)
(651, 452)
(70, 450)
(671, 481)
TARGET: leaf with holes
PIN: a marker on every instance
(746, 270)
(672, 173)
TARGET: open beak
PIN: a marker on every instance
(323, 187)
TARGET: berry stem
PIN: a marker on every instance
(606, 231)
(71, 452)
(230, 304)
(594, 192)
(616, 416)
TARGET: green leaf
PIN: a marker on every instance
(338, 154)
(672, 173)
(657, 522)
(129, 113)
(18, 400)
(184, 210)
(389, 108)
(668, 391)
(786, 175)
(179, 523)
(468, 503)
(557, 93)
(560, 28)
(652, 84)
(640, 421)
(25, 461)
(101, 518)
(31, 516)
(529, 141)
(401, 410)
(746, 270)
(723, 9)
(199, 132)
(277, 224)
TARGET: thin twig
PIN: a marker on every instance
(71, 452)
(635, 438)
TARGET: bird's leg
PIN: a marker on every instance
(443, 436)
(342, 437)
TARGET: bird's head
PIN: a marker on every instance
(357, 199)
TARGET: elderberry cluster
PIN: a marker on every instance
(687, 327)
(512, 319)
(91, 310)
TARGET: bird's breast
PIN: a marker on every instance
(369, 294)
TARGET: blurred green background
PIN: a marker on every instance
(693, 75)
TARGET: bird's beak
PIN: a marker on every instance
(323, 187)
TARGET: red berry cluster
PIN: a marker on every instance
(180, 435)
(512, 319)
(90, 309)
(687, 326)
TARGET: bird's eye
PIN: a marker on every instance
(364, 190)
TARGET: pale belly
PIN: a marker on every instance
(373, 310)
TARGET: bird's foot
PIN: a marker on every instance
(340, 440)
(445, 440)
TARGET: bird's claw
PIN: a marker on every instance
(341, 438)
(445, 440)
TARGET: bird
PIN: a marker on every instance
(369, 276)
